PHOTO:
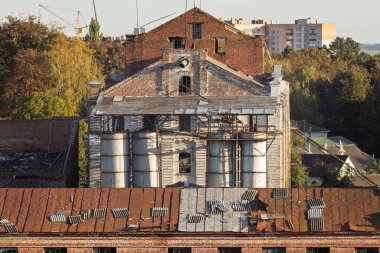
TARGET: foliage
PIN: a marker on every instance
(375, 168)
(330, 175)
(298, 172)
(111, 56)
(82, 154)
(345, 48)
(94, 34)
(336, 88)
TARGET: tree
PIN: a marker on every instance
(82, 154)
(345, 49)
(330, 175)
(94, 34)
(298, 172)
(111, 56)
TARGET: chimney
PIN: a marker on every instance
(341, 150)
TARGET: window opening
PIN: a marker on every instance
(184, 123)
(184, 85)
(184, 162)
(197, 30)
(220, 45)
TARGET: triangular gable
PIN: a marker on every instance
(197, 10)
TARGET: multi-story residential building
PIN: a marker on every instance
(304, 33)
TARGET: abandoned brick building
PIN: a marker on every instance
(39, 153)
(203, 220)
(190, 116)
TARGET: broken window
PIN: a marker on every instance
(8, 250)
(104, 250)
(118, 123)
(229, 250)
(184, 162)
(366, 250)
(184, 123)
(260, 123)
(184, 85)
(274, 250)
(197, 30)
(317, 250)
(220, 45)
(177, 42)
(149, 123)
(179, 250)
(55, 250)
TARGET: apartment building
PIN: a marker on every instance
(304, 33)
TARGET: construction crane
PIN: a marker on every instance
(79, 30)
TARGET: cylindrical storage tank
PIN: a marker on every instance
(145, 163)
(114, 152)
(253, 160)
(219, 161)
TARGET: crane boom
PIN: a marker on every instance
(78, 29)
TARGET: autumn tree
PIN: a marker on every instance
(94, 35)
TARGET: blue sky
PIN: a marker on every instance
(357, 19)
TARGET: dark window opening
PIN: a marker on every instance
(177, 42)
(104, 250)
(318, 250)
(229, 250)
(55, 250)
(184, 85)
(184, 162)
(179, 250)
(274, 250)
(149, 123)
(366, 250)
(118, 123)
(220, 46)
(8, 250)
(184, 123)
(260, 123)
(197, 30)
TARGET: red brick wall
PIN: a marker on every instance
(251, 250)
(31, 250)
(243, 52)
(295, 250)
(342, 250)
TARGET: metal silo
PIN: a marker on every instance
(145, 163)
(253, 160)
(114, 153)
(219, 161)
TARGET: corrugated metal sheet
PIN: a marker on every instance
(120, 212)
(158, 211)
(315, 213)
(280, 193)
(317, 224)
(316, 203)
(249, 195)
(75, 219)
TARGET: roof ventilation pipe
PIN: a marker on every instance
(183, 62)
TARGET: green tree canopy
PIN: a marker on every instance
(94, 34)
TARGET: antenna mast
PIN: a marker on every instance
(96, 17)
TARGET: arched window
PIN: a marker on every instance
(184, 87)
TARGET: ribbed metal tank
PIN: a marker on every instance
(219, 161)
(144, 153)
(253, 160)
(114, 153)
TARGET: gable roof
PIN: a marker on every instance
(197, 10)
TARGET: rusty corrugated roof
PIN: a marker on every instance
(29, 209)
